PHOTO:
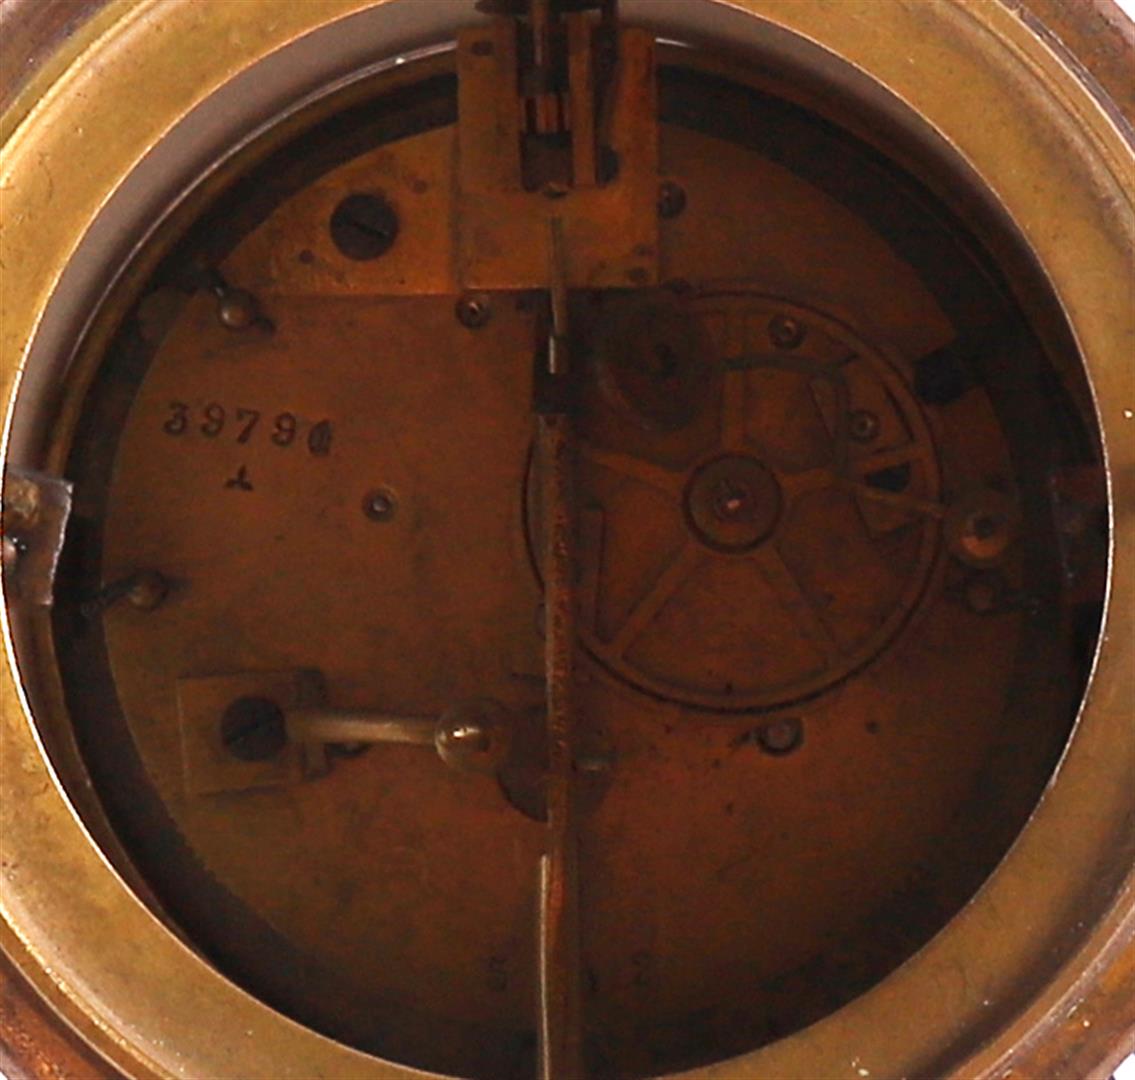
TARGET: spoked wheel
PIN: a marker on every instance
(567, 540)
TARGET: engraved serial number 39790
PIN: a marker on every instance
(213, 420)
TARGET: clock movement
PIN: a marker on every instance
(568, 539)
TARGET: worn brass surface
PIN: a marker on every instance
(773, 626)
(1062, 846)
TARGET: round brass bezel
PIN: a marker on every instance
(1040, 963)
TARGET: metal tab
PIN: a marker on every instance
(36, 508)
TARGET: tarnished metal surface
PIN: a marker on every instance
(560, 957)
(443, 580)
(30, 32)
(775, 419)
(33, 522)
(619, 824)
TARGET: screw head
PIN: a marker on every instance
(782, 736)
(474, 310)
(236, 309)
(981, 525)
(148, 590)
(863, 426)
(671, 199)
(733, 502)
(253, 729)
(364, 226)
(785, 332)
(984, 535)
(380, 504)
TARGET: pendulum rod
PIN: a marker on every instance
(560, 1019)
(558, 175)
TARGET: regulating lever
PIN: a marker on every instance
(474, 736)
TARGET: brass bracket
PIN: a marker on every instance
(504, 211)
(475, 202)
(210, 767)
